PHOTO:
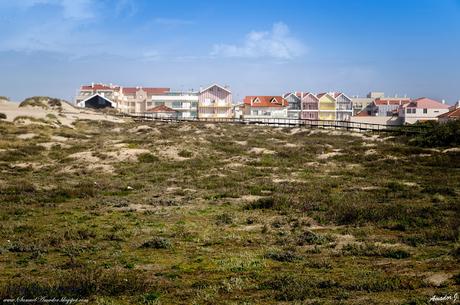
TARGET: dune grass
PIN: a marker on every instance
(203, 218)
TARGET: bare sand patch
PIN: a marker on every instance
(251, 198)
(130, 154)
(23, 165)
(26, 136)
(141, 128)
(85, 157)
(172, 153)
(244, 143)
(343, 240)
(49, 145)
(370, 152)
(450, 150)
(325, 156)
(437, 279)
(259, 150)
(59, 138)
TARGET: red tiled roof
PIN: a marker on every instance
(426, 103)
(320, 95)
(363, 113)
(391, 101)
(99, 87)
(265, 101)
(336, 94)
(161, 108)
(133, 90)
(451, 114)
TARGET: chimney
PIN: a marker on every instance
(443, 102)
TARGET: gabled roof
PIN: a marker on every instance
(427, 103)
(215, 85)
(266, 101)
(161, 108)
(320, 95)
(454, 114)
(310, 94)
(337, 94)
(103, 97)
(295, 94)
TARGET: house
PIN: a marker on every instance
(97, 101)
(422, 109)
(327, 106)
(185, 103)
(384, 106)
(360, 103)
(215, 102)
(294, 104)
(163, 112)
(453, 114)
(344, 106)
(256, 107)
(310, 106)
(136, 99)
(125, 99)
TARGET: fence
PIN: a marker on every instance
(287, 122)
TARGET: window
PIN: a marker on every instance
(159, 103)
(177, 105)
(425, 111)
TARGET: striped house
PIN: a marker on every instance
(326, 106)
(215, 102)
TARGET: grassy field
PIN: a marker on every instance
(221, 214)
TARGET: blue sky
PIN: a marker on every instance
(50, 47)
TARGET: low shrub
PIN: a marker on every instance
(224, 219)
(157, 243)
(185, 154)
(439, 135)
(311, 238)
(83, 282)
(2, 116)
(283, 256)
(147, 158)
(368, 249)
(261, 203)
(35, 101)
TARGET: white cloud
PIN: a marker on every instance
(277, 43)
(71, 9)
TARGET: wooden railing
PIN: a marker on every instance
(288, 122)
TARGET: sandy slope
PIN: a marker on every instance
(67, 116)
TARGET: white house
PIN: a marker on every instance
(422, 109)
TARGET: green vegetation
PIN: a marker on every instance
(2, 116)
(224, 214)
(41, 101)
(440, 135)
(4, 98)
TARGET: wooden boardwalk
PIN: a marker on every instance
(285, 122)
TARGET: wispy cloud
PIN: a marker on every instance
(277, 43)
(71, 9)
(73, 28)
(173, 21)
